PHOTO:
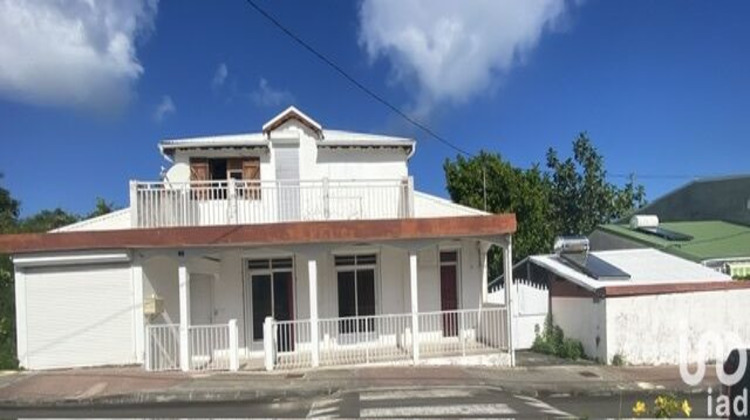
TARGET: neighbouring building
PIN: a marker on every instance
(718, 244)
(643, 304)
(294, 247)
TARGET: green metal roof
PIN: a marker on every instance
(711, 239)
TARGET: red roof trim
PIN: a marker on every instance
(264, 235)
(656, 289)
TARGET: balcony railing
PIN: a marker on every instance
(204, 203)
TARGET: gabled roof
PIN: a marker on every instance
(329, 139)
(712, 239)
(646, 267)
(292, 113)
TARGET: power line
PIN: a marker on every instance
(416, 123)
(355, 82)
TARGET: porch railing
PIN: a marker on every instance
(202, 203)
(162, 347)
(213, 347)
(341, 341)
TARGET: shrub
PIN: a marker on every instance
(552, 341)
(618, 360)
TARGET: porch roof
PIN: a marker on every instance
(265, 234)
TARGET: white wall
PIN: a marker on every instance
(583, 319)
(392, 289)
(531, 305)
(646, 329)
(317, 163)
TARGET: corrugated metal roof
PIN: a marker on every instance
(645, 266)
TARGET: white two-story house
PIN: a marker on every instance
(294, 247)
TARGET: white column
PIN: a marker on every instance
(312, 274)
(136, 272)
(234, 346)
(133, 204)
(508, 276)
(21, 332)
(269, 347)
(184, 286)
(414, 305)
(483, 248)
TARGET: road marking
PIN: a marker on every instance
(439, 411)
(543, 406)
(409, 394)
(325, 409)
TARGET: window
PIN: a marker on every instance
(356, 291)
(272, 294)
(221, 169)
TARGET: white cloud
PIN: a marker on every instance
(454, 50)
(267, 96)
(220, 76)
(165, 108)
(72, 53)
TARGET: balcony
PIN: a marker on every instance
(230, 202)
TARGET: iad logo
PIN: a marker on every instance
(721, 344)
(735, 403)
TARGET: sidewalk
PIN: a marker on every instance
(133, 385)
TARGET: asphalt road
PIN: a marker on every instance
(400, 403)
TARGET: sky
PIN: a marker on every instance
(89, 88)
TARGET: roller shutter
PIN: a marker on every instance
(79, 316)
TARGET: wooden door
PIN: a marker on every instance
(449, 293)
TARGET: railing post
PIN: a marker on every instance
(409, 199)
(134, 204)
(508, 272)
(234, 346)
(326, 199)
(231, 201)
(268, 343)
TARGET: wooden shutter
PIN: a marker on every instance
(198, 169)
(199, 172)
(251, 172)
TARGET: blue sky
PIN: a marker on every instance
(662, 87)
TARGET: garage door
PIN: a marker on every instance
(79, 316)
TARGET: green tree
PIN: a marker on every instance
(9, 209)
(581, 197)
(508, 190)
(101, 208)
(47, 220)
(572, 197)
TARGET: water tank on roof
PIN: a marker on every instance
(571, 245)
(644, 221)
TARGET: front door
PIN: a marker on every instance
(270, 286)
(201, 299)
(449, 291)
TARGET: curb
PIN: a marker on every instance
(261, 396)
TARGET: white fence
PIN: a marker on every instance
(531, 305)
(462, 332)
(385, 338)
(213, 347)
(162, 347)
(202, 203)
(341, 341)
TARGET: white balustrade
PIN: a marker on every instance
(162, 346)
(206, 203)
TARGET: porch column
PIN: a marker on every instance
(483, 248)
(138, 318)
(312, 274)
(508, 271)
(414, 305)
(184, 286)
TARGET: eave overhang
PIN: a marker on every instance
(479, 227)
